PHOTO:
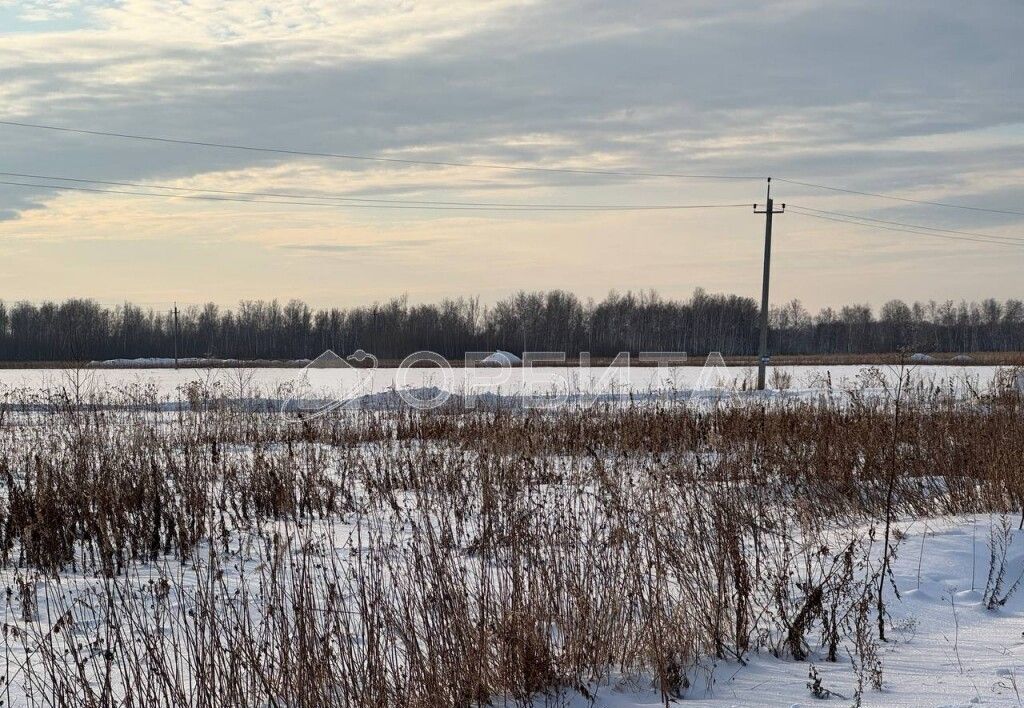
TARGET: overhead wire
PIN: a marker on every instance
(307, 199)
(374, 158)
(991, 240)
(268, 202)
(906, 225)
(492, 166)
(899, 198)
(363, 201)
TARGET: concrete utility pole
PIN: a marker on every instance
(175, 335)
(769, 209)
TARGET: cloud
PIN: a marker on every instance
(920, 98)
(376, 247)
(41, 10)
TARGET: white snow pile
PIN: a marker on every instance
(922, 359)
(962, 359)
(328, 360)
(501, 358)
(954, 634)
(149, 362)
(167, 362)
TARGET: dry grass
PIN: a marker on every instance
(221, 557)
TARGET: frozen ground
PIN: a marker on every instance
(945, 648)
(506, 382)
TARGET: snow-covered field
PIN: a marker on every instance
(504, 381)
(625, 556)
(946, 649)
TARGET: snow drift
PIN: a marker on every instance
(501, 358)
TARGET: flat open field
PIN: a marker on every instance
(278, 383)
(638, 550)
(889, 359)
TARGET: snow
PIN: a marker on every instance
(501, 358)
(945, 648)
(329, 360)
(922, 359)
(499, 381)
(156, 362)
(164, 362)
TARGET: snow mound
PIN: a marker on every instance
(922, 359)
(153, 362)
(962, 359)
(329, 360)
(188, 362)
(501, 358)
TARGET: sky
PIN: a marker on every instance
(921, 99)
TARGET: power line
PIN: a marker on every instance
(992, 239)
(267, 202)
(906, 225)
(797, 210)
(64, 187)
(899, 199)
(361, 200)
(372, 158)
(492, 166)
(289, 199)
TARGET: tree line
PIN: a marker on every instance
(82, 329)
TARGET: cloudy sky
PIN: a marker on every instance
(921, 99)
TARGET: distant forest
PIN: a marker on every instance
(80, 330)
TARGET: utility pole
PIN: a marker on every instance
(175, 335)
(769, 209)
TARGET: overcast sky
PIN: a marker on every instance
(922, 99)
